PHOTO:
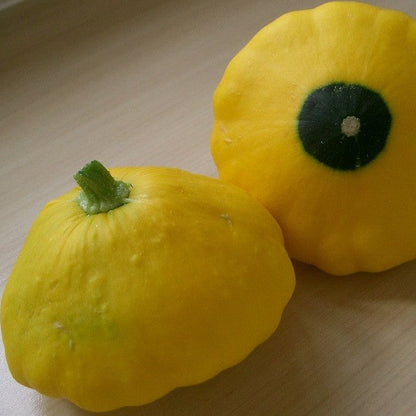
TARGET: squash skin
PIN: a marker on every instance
(117, 309)
(341, 222)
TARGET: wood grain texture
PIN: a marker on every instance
(130, 83)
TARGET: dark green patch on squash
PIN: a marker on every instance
(345, 126)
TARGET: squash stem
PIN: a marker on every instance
(100, 192)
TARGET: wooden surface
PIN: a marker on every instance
(130, 83)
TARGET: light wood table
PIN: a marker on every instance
(130, 83)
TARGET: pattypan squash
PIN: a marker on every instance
(316, 118)
(130, 287)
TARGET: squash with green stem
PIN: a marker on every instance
(128, 288)
(315, 118)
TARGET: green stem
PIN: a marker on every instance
(100, 191)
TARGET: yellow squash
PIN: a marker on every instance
(315, 117)
(135, 286)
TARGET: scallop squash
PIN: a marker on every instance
(132, 287)
(315, 117)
